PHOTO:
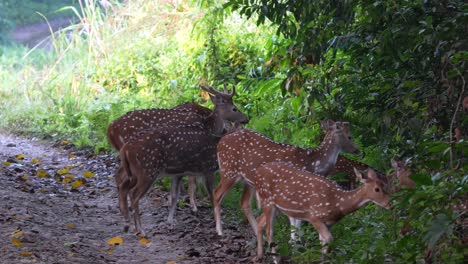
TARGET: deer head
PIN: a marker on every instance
(402, 173)
(224, 106)
(374, 188)
(339, 134)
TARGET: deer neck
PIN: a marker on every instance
(325, 156)
(215, 124)
(350, 201)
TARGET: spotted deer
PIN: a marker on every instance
(393, 182)
(241, 152)
(400, 177)
(129, 125)
(173, 151)
(345, 167)
(306, 196)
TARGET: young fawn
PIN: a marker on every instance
(310, 197)
(240, 153)
(173, 151)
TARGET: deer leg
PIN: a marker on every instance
(123, 190)
(295, 225)
(192, 186)
(269, 216)
(261, 221)
(136, 193)
(224, 186)
(174, 198)
(246, 205)
(324, 235)
(209, 183)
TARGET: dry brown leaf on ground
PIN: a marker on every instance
(88, 174)
(117, 240)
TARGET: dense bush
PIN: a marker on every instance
(395, 69)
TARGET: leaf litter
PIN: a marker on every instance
(59, 205)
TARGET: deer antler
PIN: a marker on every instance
(213, 91)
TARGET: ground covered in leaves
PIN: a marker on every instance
(59, 205)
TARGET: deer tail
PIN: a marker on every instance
(124, 159)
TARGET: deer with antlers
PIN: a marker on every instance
(240, 153)
(173, 151)
(306, 196)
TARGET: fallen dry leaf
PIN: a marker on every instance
(110, 250)
(63, 171)
(171, 262)
(17, 243)
(144, 241)
(36, 161)
(71, 156)
(68, 178)
(42, 174)
(26, 254)
(115, 241)
(71, 226)
(64, 142)
(20, 157)
(88, 174)
(6, 163)
(17, 234)
(77, 184)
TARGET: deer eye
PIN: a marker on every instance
(377, 190)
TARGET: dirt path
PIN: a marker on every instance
(51, 213)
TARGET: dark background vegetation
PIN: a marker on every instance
(395, 69)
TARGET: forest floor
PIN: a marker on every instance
(59, 205)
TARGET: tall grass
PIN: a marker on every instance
(139, 55)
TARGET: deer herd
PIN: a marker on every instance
(191, 140)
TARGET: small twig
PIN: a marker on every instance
(455, 113)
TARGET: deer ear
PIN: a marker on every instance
(359, 175)
(371, 174)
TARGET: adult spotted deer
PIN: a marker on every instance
(307, 196)
(393, 182)
(173, 151)
(129, 125)
(241, 152)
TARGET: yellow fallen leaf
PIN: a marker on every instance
(71, 156)
(115, 241)
(42, 190)
(68, 178)
(6, 163)
(24, 178)
(144, 241)
(77, 184)
(71, 226)
(36, 161)
(26, 254)
(20, 157)
(17, 243)
(110, 250)
(63, 171)
(17, 234)
(64, 142)
(88, 174)
(171, 262)
(42, 174)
